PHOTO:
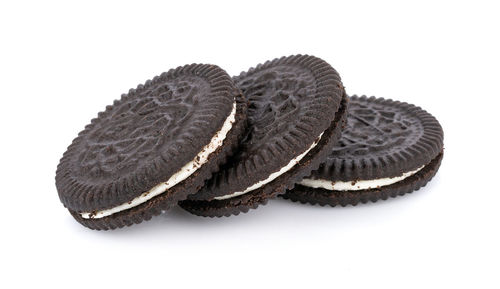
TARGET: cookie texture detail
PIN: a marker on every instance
(292, 100)
(251, 200)
(383, 138)
(144, 137)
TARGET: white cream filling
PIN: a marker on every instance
(356, 185)
(272, 176)
(176, 178)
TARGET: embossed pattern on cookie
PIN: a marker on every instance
(388, 148)
(151, 148)
(295, 108)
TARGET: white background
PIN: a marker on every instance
(61, 63)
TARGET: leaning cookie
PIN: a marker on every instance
(389, 148)
(152, 148)
(296, 110)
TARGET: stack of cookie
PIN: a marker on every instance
(218, 146)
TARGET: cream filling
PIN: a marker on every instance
(176, 178)
(355, 185)
(272, 176)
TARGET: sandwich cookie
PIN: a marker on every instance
(388, 149)
(296, 111)
(152, 148)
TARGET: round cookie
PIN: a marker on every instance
(152, 148)
(296, 111)
(389, 148)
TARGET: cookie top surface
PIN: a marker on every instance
(383, 138)
(292, 101)
(145, 137)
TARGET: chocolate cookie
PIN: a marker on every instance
(389, 148)
(296, 111)
(152, 148)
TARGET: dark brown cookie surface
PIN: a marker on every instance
(251, 200)
(147, 136)
(384, 139)
(292, 102)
